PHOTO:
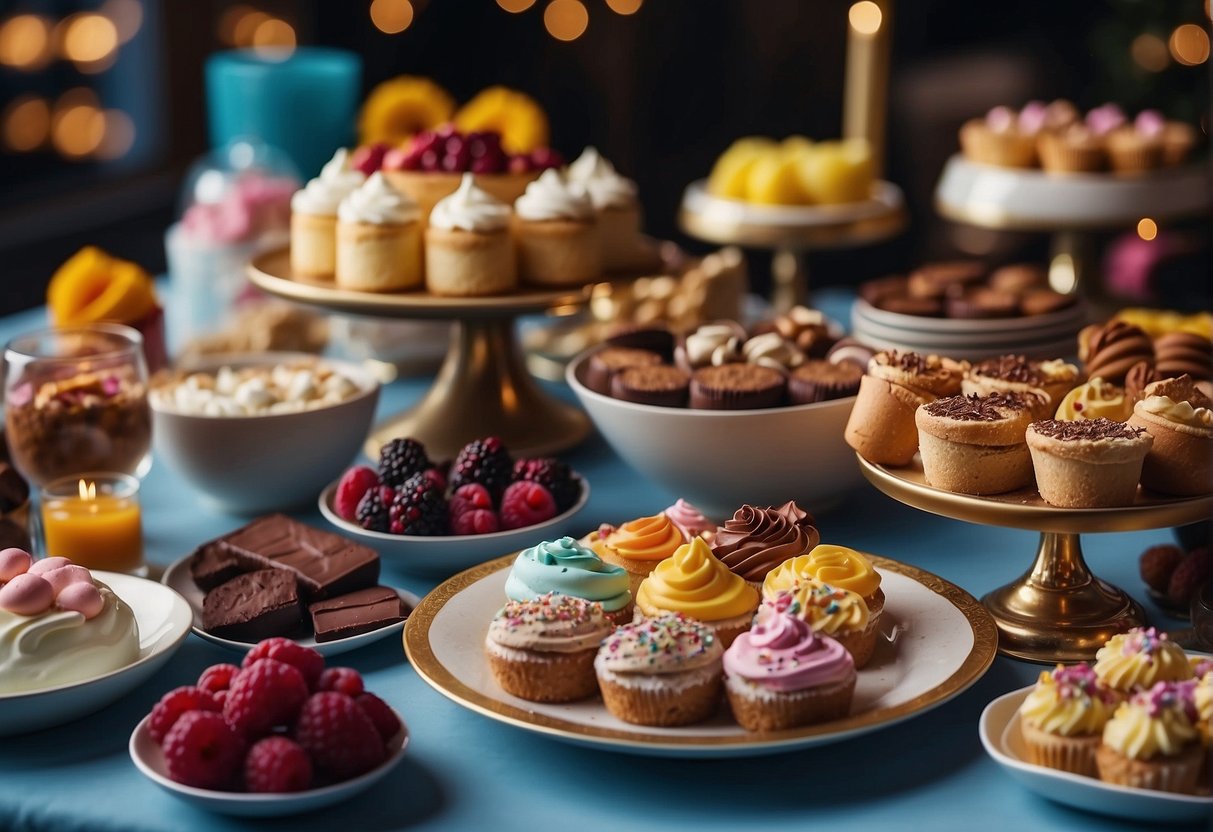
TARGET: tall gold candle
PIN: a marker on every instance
(865, 96)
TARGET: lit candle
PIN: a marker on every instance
(866, 87)
(95, 521)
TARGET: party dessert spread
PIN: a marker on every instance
(258, 390)
(59, 625)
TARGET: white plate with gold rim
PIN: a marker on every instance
(1000, 734)
(937, 641)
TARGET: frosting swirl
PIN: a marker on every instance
(1154, 723)
(837, 566)
(322, 195)
(550, 623)
(1068, 702)
(1140, 658)
(826, 609)
(549, 198)
(607, 189)
(666, 644)
(756, 540)
(694, 582)
(470, 209)
(376, 202)
(1181, 412)
(565, 566)
(688, 518)
(783, 653)
(645, 538)
(1093, 400)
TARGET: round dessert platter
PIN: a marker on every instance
(483, 387)
(1000, 735)
(163, 618)
(792, 230)
(953, 645)
(149, 759)
(1057, 610)
(443, 556)
(177, 577)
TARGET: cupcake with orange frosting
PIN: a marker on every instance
(756, 540)
(693, 582)
(830, 611)
(838, 566)
(1063, 718)
(783, 675)
(1139, 659)
(638, 545)
(1151, 742)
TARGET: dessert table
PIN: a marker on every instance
(463, 771)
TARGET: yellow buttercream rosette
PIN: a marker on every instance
(694, 582)
(827, 609)
(646, 538)
(837, 566)
(1140, 659)
(1142, 732)
(1068, 703)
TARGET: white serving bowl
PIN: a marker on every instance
(722, 459)
(254, 464)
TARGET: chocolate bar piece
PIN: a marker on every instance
(356, 612)
(254, 606)
(212, 564)
(325, 564)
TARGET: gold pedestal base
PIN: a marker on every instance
(484, 389)
(1058, 610)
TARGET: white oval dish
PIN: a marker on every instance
(163, 617)
(149, 759)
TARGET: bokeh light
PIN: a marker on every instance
(126, 15)
(625, 6)
(119, 135)
(391, 16)
(865, 17)
(25, 42)
(1150, 52)
(515, 6)
(1190, 44)
(246, 27)
(77, 130)
(87, 38)
(274, 37)
(26, 123)
(1147, 229)
(566, 19)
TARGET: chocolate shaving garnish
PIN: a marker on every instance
(977, 408)
(1092, 429)
(911, 362)
(1010, 368)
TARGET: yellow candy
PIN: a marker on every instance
(92, 286)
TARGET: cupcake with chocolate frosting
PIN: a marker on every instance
(756, 540)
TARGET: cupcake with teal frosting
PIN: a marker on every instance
(566, 567)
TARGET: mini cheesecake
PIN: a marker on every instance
(1093, 463)
(975, 444)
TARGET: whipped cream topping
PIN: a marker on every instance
(1181, 412)
(322, 196)
(607, 189)
(470, 209)
(378, 203)
(550, 198)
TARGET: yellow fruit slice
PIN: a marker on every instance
(93, 286)
(796, 147)
(836, 172)
(401, 107)
(519, 119)
(773, 180)
(730, 175)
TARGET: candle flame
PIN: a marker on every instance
(88, 491)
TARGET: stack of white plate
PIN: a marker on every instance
(1053, 335)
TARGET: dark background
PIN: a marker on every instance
(661, 92)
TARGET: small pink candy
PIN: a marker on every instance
(1149, 123)
(27, 594)
(14, 562)
(45, 565)
(82, 598)
(63, 577)
(1000, 119)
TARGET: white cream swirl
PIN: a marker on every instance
(323, 195)
(549, 198)
(378, 203)
(606, 187)
(470, 209)
(1181, 412)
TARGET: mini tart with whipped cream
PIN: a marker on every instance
(1094, 463)
(638, 545)
(1095, 399)
(1139, 659)
(556, 232)
(1180, 418)
(565, 566)
(1063, 718)
(836, 566)
(542, 649)
(831, 611)
(662, 671)
(756, 540)
(781, 674)
(1051, 380)
(468, 250)
(618, 210)
(693, 582)
(1151, 742)
(975, 444)
(58, 625)
(314, 217)
(378, 239)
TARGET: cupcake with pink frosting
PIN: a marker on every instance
(58, 625)
(782, 675)
(690, 520)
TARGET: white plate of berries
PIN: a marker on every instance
(279, 735)
(434, 519)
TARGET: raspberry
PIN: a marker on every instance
(1157, 563)
(306, 660)
(525, 504)
(277, 764)
(339, 736)
(553, 475)
(217, 677)
(202, 750)
(351, 488)
(436, 476)
(475, 521)
(372, 512)
(385, 719)
(469, 497)
(341, 679)
(400, 459)
(418, 508)
(173, 704)
(264, 696)
(485, 461)
(1189, 576)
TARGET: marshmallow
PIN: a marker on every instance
(47, 564)
(14, 562)
(27, 594)
(82, 598)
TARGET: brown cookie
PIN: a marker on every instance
(818, 381)
(1018, 278)
(981, 302)
(873, 291)
(1044, 301)
(661, 385)
(934, 279)
(737, 387)
(1176, 353)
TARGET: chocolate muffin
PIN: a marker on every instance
(818, 381)
(1177, 353)
(737, 387)
(652, 337)
(604, 364)
(661, 385)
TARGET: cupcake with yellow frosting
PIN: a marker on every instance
(566, 567)
(1096, 399)
(638, 545)
(838, 566)
(661, 671)
(693, 582)
(1063, 718)
(1139, 659)
(1151, 742)
(756, 540)
(830, 611)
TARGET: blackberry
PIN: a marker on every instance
(484, 461)
(418, 508)
(400, 459)
(553, 475)
(372, 511)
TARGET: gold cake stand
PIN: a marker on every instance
(482, 388)
(792, 231)
(1057, 610)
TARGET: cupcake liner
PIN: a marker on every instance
(544, 677)
(1134, 155)
(1005, 149)
(1073, 754)
(760, 709)
(1176, 774)
(1057, 155)
(659, 705)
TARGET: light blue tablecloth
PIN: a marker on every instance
(465, 772)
